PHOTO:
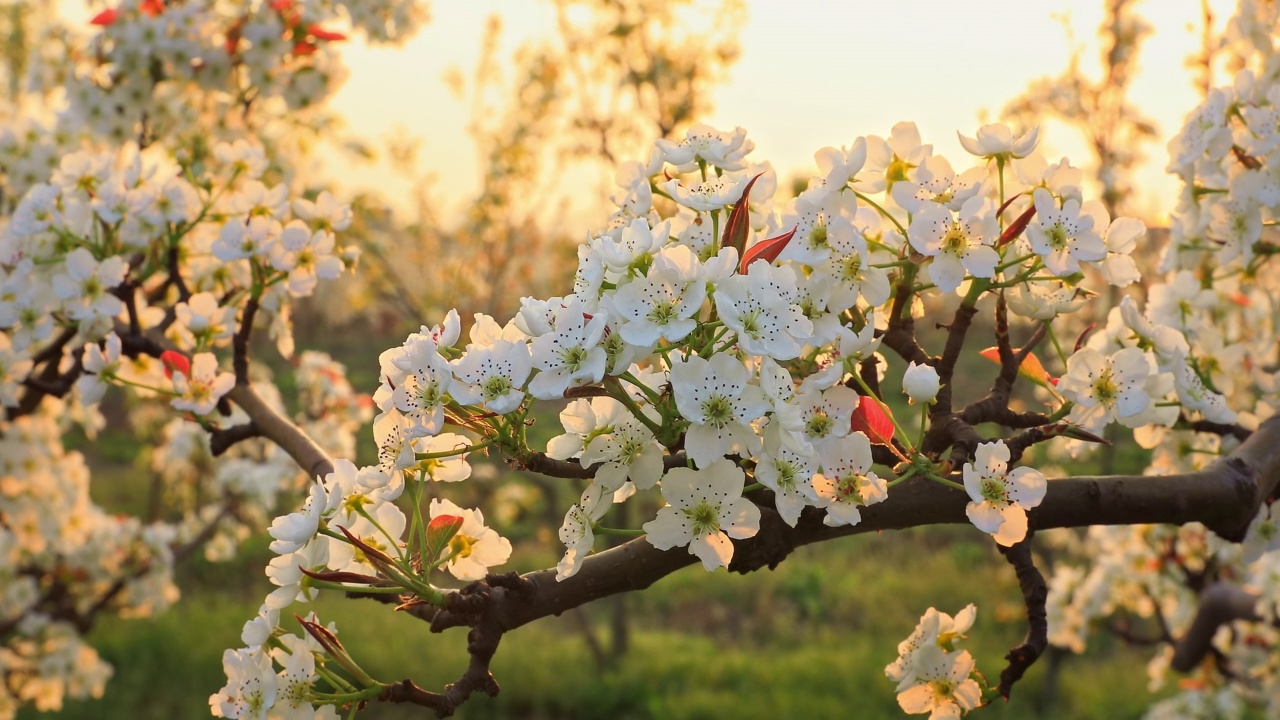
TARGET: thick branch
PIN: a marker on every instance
(279, 430)
(1223, 496)
(1220, 603)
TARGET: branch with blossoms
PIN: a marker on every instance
(725, 355)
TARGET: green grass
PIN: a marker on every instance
(809, 639)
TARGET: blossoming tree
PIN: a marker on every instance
(724, 352)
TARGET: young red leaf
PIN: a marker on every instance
(738, 226)
(104, 18)
(1084, 336)
(1031, 367)
(767, 250)
(1015, 228)
(1006, 204)
(440, 531)
(320, 33)
(872, 418)
(342, 577)
(175, 362)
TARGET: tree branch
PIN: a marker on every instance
(1224, 497)
(281, 431)
(1034, 592)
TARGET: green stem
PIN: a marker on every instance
(882, 211)
(944, 481)
(622, 532)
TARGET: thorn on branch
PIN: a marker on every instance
(1034, 592)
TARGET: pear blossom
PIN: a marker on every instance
(661, 305)
(307, 256)
(705, 509)
(576, 533)
(326, 213)
(570, 355)
(200, 323)
(942, 686)
(997, 141)
(1001, 497)
(493, 374)
(849, 350)
(716, 397)
(291, 532)
(101, 365)
(835, 168)
(1119, 267)
(1106, 388)
(760, 307)
(422, 379)
(377, 524)
(702, 142)
(936, 629)
(1063, 237)
(957, 244)
(85, 286)
(846, 482)
(251, 685)
(475, 548)
(1194, 396)
(450, 468)
(937, 186)
(825, 415)
(295, 680)
(787, 467)
(200, 392)
(715, 193)
(633, 252)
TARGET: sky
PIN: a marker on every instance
(811, 74)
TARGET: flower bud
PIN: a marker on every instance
(920, 383)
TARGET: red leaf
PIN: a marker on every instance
(872, 418)
(767, 250)
(1006, 204)
(1084, 336)
(1015, 228)
(320, 33)
(440, 531)
(151, 8)
(104, 18)
(739, 224)
(175, 362)
(342, 577)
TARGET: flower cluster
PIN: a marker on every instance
(932, 675)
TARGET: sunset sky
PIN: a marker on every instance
(812, 73)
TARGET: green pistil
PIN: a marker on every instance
(573, 357)
(786, 475)
(818, 236)
(819, 425)
(495, 387)
(993, 491)
(1057, 236)
(718, 411)
(662, 313)
(1105, 388)
(954, 241)
(705, 517)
